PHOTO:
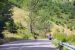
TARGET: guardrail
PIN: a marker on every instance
(66, 45)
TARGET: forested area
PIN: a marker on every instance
(43, 16)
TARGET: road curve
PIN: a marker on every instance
(29, 45)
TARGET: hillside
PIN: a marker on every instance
(26, 18)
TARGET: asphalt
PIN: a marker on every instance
(29, 45)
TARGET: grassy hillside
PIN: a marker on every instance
(21, 20)
(30, 17)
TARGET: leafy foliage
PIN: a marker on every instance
(11, 26)
(42, 14)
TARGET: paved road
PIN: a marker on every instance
(29, 45)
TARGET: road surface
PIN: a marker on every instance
(29, 45)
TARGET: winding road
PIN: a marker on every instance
(29, 45)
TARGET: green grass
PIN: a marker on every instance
(65, 48)
(64, 38)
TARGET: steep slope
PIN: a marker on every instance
(20, 16)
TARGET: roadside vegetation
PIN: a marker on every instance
(22, 19)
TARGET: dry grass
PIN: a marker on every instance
(20, 16)
(60, 28)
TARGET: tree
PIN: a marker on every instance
(44, 12)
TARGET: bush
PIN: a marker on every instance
(10, 39)
(60, 36)
(11, 26)
(71, 38)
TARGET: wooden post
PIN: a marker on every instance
(60, 47)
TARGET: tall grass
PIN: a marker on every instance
(60, 35)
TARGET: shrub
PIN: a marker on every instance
(11, 26)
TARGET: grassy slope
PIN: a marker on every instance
(61, 28)
(21, 16)
(61, 33)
